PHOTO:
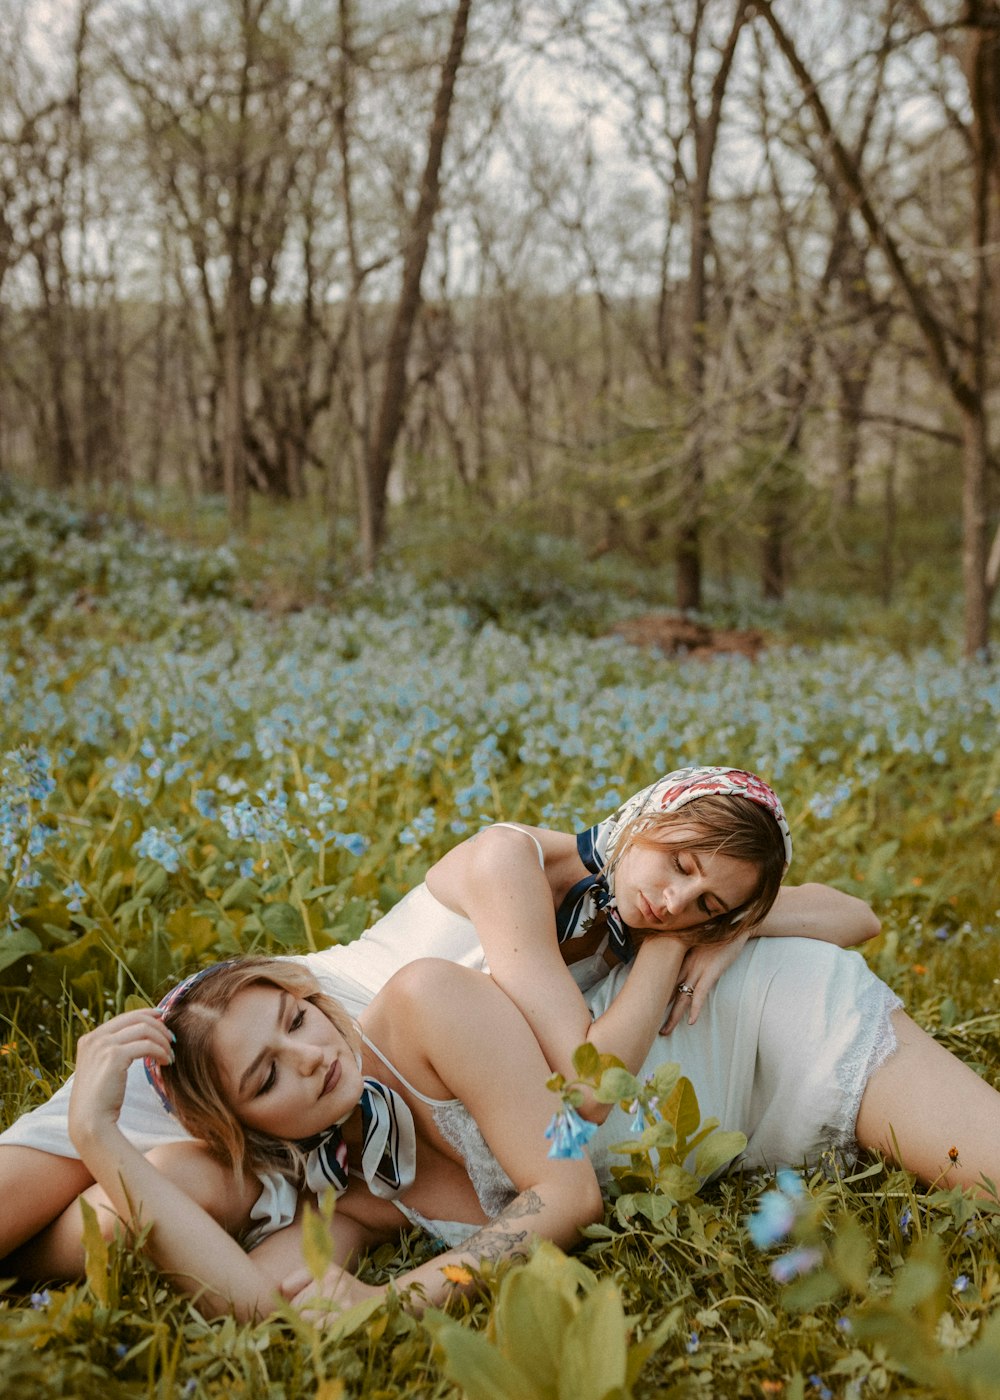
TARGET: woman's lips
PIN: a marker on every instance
(332, 1076)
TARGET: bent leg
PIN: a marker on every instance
(56, 1252)
(922, 1103)
(35, 1188)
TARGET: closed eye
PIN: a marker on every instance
(268, 1083)
(297, 1020)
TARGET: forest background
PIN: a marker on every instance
(370, 376)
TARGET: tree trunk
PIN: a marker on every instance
(389, 419)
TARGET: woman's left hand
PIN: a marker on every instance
(321, 1300)
(702, 967)
(103, 1057)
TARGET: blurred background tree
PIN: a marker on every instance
(694, 280)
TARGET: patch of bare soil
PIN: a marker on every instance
(676, 635)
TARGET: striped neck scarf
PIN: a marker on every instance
(388, 1150)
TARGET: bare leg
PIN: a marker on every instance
(56, 1252)
(930, 1103)
(35, 1187)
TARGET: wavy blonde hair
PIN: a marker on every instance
(192, 1082)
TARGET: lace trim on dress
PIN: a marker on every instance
(869, 1052)
(492, 1184)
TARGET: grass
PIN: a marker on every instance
(190, 769)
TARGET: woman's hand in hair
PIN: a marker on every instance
(103, 1057)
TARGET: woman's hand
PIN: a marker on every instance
(702, 967)
(320, 1301)
(103, 1057)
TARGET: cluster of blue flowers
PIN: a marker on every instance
(772, 1222)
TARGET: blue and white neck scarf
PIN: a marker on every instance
(600, 846)
(388, 1150)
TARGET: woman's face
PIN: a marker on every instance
(283, 1066)
(673, 888)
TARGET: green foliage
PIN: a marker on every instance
(187, 774)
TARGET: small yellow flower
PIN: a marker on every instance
(457, 1273)
(9, 1048)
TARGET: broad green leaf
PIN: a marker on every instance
(476, 1366)
(681, 1109)
(664, 1079)
(284, 923)
(17, 943)
(241, 894)
(586, 1061)
(95, 1250)
(595, 1348)
(809, 1292)
(531, 1319)
(616, 1084)
(718, 1151)
(676, 1183)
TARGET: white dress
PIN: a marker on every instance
(782, 1050)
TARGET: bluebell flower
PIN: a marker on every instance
(75, 894)
(568, 1133)
(795, 1263)
(905, 1221)
(776, 1212)
(961, 1283)
(41, 1300)
(693, 1343)
(161, 846)
(246, 867)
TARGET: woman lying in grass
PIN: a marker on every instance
(431, 1111)
(696, 859)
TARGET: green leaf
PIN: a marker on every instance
(476, 1366)
(852, 1256)
(531, 1319)
(616, 1084)
(317, 1242)
(809, 1292)
(95, 1251)
(594, 1352)
(718, 1151)
(284, 923)
(17, 943)
(241, 894)
(640, 1352)
(676, 1183)
(664, 1079)
(681, 1109)
(586, 1061)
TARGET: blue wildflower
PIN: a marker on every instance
(41, 1300)
(568, 1133)
(693, 1343)
(905, 1221)
(961, 1283)
(161, 846)
(776, 1211)
(795, 1263)
(205, 804)
(75, 894)
(246, 867)
(818, 1384)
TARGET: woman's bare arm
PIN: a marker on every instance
(495, 880)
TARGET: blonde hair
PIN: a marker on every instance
(719, 824)
(192, 1082)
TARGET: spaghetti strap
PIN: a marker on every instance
(431, 1103)
(538, 845)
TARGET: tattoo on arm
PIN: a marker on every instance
(493, 1242)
